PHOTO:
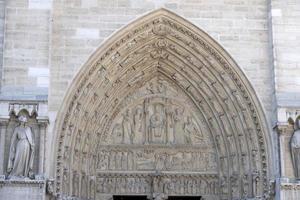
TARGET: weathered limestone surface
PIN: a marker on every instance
(25, 56)
(2, 17)
(22, 190)
(286, 34)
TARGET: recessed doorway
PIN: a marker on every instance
(184, 198)
(129, 197)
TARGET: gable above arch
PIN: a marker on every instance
(161, 62)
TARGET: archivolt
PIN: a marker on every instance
(162, 43)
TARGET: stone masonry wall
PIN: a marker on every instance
(2, 17)
(26, 50)
(286, 34)
(241, 26)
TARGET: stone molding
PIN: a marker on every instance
(290, 186)
(22, 182)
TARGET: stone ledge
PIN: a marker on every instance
(22, 182)
(23, 189)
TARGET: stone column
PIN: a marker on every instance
(3, 127)
(43, 124)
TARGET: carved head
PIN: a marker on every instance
(22, 118)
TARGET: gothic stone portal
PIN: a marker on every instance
(161, 110)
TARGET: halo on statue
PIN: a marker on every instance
(23, 118)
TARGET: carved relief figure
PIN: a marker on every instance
(157, 124)
(84, 186)
(138, 125)
(66, 180)
(21, 153)
(178, 125)
(170, 126)
(75, 184)
(161, 88)
(189, 130)
(295, 148)
(117, 133)
(128, 133)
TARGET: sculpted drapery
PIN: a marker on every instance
(295, 149)
(21, 155)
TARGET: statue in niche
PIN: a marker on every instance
(78, 141)
(84, 186)
(130, 158)
(128, 134)
(21, 154)
(234, 185)
(118, 160)
(75, 184)
(157, 124)
(66, 180)
(124, 161)
(130, 185)
(295, 148)
(92, 188)
(112, 160)
(223, 185)
(255, 182)
(86, 143)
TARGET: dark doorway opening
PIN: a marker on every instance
(184, 198)
(129, 197)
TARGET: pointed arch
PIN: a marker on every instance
(162, 44)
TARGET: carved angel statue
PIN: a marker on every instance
(21, 154)
(295, 148)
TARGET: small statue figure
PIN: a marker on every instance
(128, 134)
(295, 148)
(21, 154)
(50, 187)
(190, 130)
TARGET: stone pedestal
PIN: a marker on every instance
(23, 189)
(289, 190)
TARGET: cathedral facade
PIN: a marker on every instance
(157, 100)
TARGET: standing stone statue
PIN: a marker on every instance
(295, 148)
(21, 155)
